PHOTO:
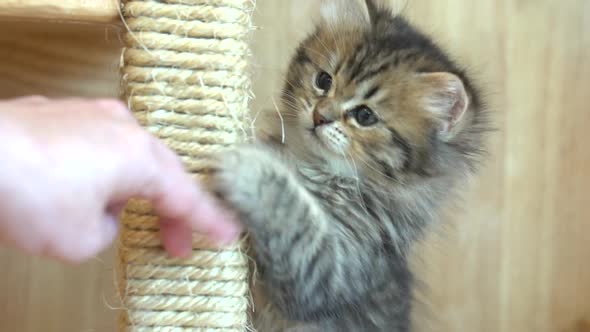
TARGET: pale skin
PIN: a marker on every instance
(68, 166)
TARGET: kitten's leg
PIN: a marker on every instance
(311, 263)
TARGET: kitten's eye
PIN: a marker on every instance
(364, 116)
(323, 81)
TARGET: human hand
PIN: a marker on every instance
(69, 165)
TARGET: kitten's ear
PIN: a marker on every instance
(345, 13)
(444, 95)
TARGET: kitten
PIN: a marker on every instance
(377, 127)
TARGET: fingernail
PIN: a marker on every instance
(181, 249)
(185, 252)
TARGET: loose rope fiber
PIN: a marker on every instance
(184, 76)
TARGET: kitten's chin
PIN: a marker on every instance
(328, 139)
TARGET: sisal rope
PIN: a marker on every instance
(184, 77)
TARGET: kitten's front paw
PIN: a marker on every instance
(239, 175)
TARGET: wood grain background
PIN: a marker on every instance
(515, 258)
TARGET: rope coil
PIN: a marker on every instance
(184, 77)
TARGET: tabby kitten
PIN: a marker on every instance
(377, 127)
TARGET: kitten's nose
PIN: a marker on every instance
(320, 120)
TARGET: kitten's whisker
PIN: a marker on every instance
(403, 9)
(253, 122)
(287, 81)
(354, 168)
(289, 114)
(294, 108)
(288, 99)
(351, 164)
(290, 111)
(282, 121)
(325, 57)
(289, 96)
(286, 113)
(328, 51)
(324, 45)
(296, 104)
(358, 183)
(382, 173)
(333, 33)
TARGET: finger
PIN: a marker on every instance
(176, 237)
(180, 199)
(159, 177)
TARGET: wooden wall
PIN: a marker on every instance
(57, 60)
(515, 258)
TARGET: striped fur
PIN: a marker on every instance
(334, 210)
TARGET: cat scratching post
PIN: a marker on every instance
(184, 75)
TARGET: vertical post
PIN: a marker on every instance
(184, 76)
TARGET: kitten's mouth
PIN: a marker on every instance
(332, 139)
(314, 133)
(318, 138)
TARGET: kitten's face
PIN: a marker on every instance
(352, 98)
(352, 116)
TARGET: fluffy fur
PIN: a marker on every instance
(377, 127)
